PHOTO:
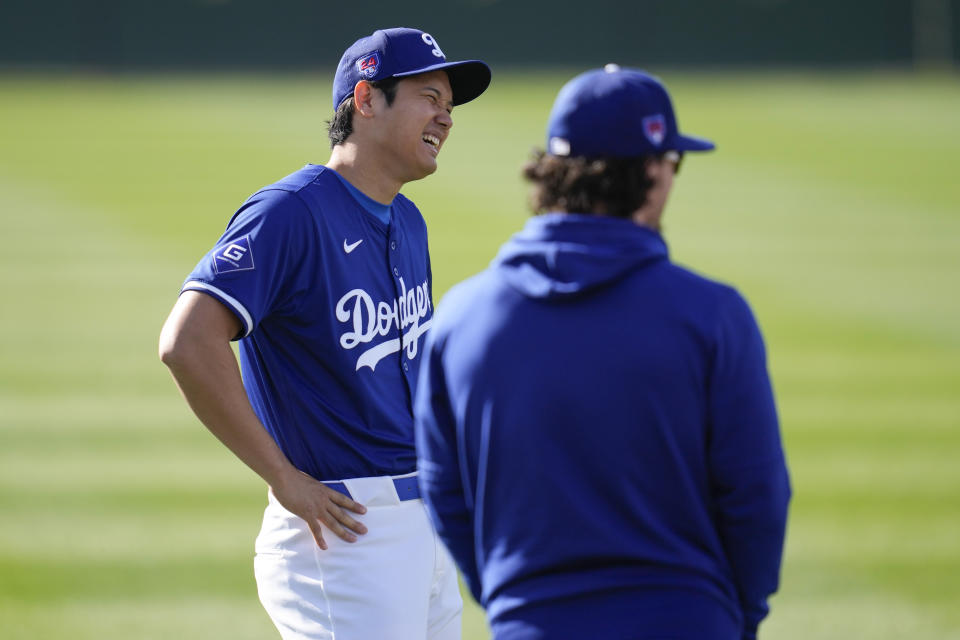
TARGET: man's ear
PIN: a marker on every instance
(658, 167)
(653, 166)
(363, 99)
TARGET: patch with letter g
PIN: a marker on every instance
(235, 255)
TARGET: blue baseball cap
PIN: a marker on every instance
(401, 52)
(616, 112)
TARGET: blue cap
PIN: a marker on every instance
(401, 52)
(616, 112)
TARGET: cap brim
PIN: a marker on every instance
(692, 143)
(468, 78)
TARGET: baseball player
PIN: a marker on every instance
(324, 278)
(598, 440)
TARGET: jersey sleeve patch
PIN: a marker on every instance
(237, 255)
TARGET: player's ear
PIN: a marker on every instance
(653, 167)
(656, 167)
(363, 98)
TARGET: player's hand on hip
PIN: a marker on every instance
(318, 504)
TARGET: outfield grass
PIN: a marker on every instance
(832, 203)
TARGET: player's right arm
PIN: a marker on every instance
(195, 346)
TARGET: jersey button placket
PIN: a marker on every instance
(406, 366)
(396, 272)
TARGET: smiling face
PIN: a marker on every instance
(410, 133)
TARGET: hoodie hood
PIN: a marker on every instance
(563, 255)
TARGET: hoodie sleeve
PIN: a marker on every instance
(439, 470)
(748, 472)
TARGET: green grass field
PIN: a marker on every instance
(833, 203)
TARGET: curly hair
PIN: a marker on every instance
(604, 185)
(340, 126)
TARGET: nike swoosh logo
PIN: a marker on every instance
(350, 247)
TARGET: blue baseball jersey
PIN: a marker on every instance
(333, 304)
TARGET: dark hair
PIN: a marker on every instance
(340, 126)
(603, 185)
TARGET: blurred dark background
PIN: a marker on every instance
(114, 35)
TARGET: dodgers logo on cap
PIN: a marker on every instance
(368, 65)
(655, 128)
(402, 52)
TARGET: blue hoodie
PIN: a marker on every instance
(597, 440)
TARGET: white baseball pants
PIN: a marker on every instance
(397, 582)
